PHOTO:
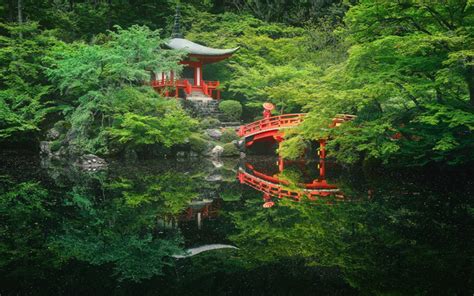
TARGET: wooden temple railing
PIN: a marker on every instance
(170, 88)
(272, 123)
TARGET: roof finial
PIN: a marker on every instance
(177, 28)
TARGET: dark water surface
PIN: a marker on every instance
(66, 230)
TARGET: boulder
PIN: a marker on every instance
(52, 134)
(45, 148)
(180, 154)
(91, 161)
(240, 144)
(214, 133)
(216, 152)
(217, 164)
(214, 178)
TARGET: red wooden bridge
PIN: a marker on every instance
(274, 187)
(273, 127)
(269, 127)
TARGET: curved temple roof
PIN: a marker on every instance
(197, 49)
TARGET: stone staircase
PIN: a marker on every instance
(202, 105)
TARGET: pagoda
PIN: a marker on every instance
(191, 86)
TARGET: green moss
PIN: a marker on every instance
(229, 135)
(209, 122)
(197, 143)
(230, 150)
(55, 146)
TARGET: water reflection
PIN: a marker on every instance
(65, 230)
(294, 180)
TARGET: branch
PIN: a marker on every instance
(437, 16)
(412, 97)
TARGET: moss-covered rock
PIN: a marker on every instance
(198, 143)
(55, 145)
(209, 122)
(229, 135)
(230, 150)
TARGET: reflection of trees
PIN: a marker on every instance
(122, 228)
(397, 243)
(26, 218)
(107, 218)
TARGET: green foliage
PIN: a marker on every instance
(229, 135)
(275, 62)
(25, 212)
(230, 150)
(121, 230)
(209, 122)
(231, 109)
(198, 143)
(114, 111)
(23, 105)
(55, 145)
(136, 130)
(409, 66)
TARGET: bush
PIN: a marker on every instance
(197, 143)
(230, 150)
(229, 135)
(209, 122)
(231, 109)
(55, 146)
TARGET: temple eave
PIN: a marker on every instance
(200, 51)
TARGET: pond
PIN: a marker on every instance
(252, 226)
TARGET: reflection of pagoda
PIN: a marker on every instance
(198, 210)
(191, 85)
(201, 209)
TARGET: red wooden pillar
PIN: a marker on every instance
(322, 169)
(218, 94)
(281, 164)
(195, 74)
(200, 74)
(322, 149)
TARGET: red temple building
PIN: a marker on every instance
(191, 85)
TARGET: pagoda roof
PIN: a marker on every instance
(198, 49)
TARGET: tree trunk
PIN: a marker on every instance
(20, 11)
(20, 15)
(470, 84)
(11, 10)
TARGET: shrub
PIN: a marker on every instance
(209, 122)
(55, 146)
(197, 143)
(231, 109)
(230, 150)
(229, 135)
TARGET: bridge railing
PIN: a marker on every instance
(272, 123)
(278, 190)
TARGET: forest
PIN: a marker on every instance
(404, 68)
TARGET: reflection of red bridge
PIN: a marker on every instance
(272, 127)
(272, 186)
